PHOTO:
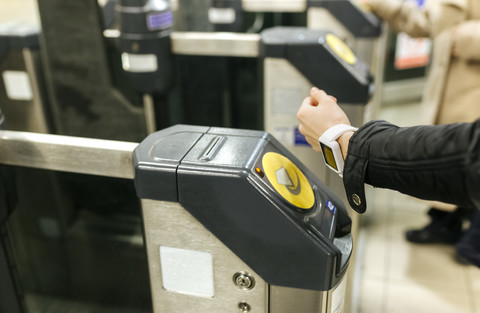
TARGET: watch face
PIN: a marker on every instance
(328, 156)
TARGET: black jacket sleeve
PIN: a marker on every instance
(439, 162)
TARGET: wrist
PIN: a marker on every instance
(343, 141)
(334, 145)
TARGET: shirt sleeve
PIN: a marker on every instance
(403, 16)
(467, 40)
(439, 162)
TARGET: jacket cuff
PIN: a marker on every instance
(354, 181)
(355, 170)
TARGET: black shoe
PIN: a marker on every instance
(468, 247)
(444, 227)
(426, 235)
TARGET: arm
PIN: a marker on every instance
(429, 162)
(403, 16)
(439, 162)
(466, 40)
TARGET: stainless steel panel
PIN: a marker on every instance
(35, 119)
(287, 300)
(274, 5)
(168, 224)
(216, 44)
(68, 154)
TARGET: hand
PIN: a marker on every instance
(318, 113)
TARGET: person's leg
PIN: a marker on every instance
(468, 247)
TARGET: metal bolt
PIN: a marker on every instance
(356, 199)
(244, 307)
(244, 280)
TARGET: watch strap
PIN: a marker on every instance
(335, 131)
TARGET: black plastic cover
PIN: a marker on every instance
(215, 180)
(145, 27)
(157, 159)
(309, 51)
(358, 21)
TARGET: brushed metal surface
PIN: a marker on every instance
(35, 118)
(274, 5)
(288, 300)
(216, 44)
(67, 153)
(169, 224)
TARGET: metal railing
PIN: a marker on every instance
(68, 154)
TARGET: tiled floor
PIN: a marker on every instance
(397, 276)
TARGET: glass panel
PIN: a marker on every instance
(76, 244)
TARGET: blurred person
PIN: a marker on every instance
(435, 162)
(453, 84)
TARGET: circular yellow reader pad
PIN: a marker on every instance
(288, 180)
(341, 49)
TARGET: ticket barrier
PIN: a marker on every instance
(293, 60)
(22, 91)
(233, 222)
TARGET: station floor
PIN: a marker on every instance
(396, 276)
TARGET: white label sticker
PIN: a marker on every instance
(187, 271)
(139, 63)
(17, 85)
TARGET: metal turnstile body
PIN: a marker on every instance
(235, 223)
(22, 92)
(360, 29)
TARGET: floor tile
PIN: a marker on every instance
(413, 298)
(375, 256)
(426, 264)
(375, 222)
(473, 273)
(372, 295)
(403, 220)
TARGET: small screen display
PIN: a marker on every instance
(328, 155)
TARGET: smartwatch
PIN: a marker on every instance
(332, 154)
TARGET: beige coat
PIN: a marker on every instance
(452, 93)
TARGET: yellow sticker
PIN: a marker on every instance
(288, 180)
(363, 5)
(341, 49)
